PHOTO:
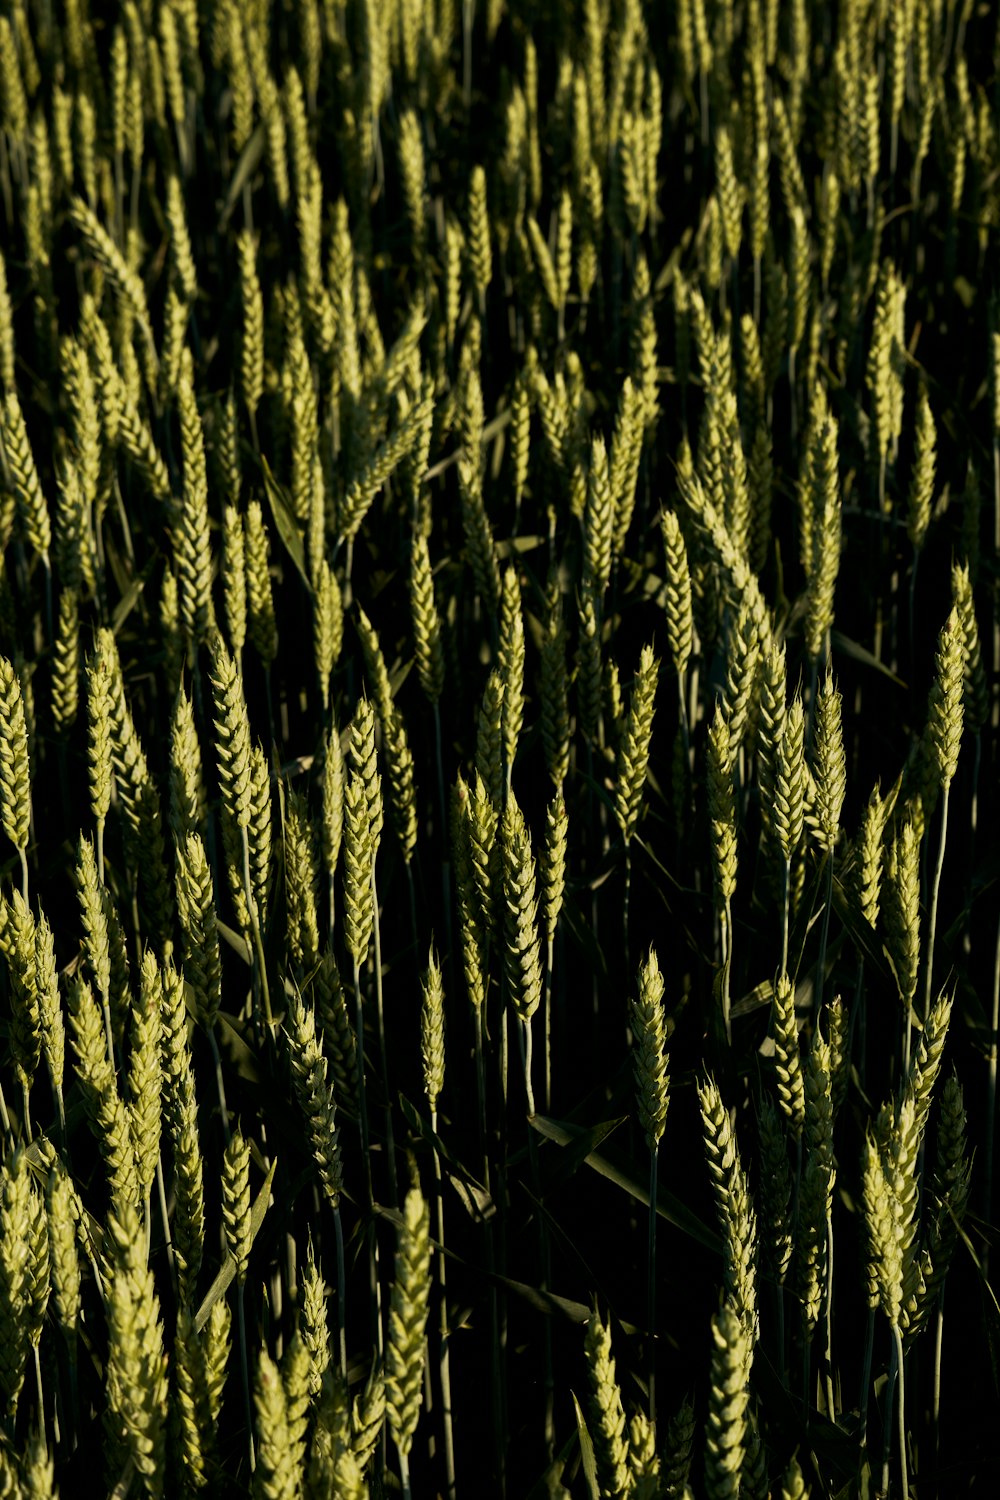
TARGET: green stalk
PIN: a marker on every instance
(727, 956)
(902, 1418)
(830, 1403)
(359, 1026)
(245, 1368)
(383, 1057)
(866, 1375)
(654, 1157)
(445, 1336)
(935, 891)
(824, 932)
(991, 1097)
(548, 1025)
(786, 885)
(341, 1286)
(220, 1084)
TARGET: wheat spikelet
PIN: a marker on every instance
(743, 659)
(552, 864)
(358, 860)
(791, 1094)
(829, 768)
(252, 330)
(649, 1058)
(426, 621)
(432, 1032)
(902, 910)
(145, 1074)
(233, 570)
(278, 1474)
(16, 1215)
(32, 508)
(187, 786)
(107, 1115)
(62, 1211)
(734, 1208)
(726, 1428)
(677, 596)
(610, 1443)
(555, 724)
(775, 1191)
(921, 491)
(677, 1451)
(633, 751)
(261, 623)
(301, 882)
(722, 807)
(407, 1320)
(199, 928)
(232, 731)
(137, 1364)
(945, 716)
(790, 783)
(522, 952)
(189, 1196)
(15, 779)
(22, 958)
(315, 1096)
(236, 1201)
(976, 692)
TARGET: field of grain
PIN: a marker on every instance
(499, 748)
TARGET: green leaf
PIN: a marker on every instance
(624, 1173)
(476, 1200)
(840, 642)
(245, 168)
(586, 1450)
(284, 519)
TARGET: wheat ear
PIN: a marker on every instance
(405, 1350)
(15, 773)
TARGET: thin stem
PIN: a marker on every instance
(526, 1058)
(445, 1344)
(161, 1192)
(824, 932)
(991, 1096)
(936, 1406)
(338, 1226)
(628, 891)
(890, 1395)
(219, 1083)
(359, 1028)
(866, 1375)
(830, 1404)
(935, 891)
(654, 1157)
(727, 955)
(548, 1024)
(404, 1473)
(245, 1368)
(383, 1057)
(23, 853)
(902, 1417)
(786, 884)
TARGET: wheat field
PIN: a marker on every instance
(499, 738)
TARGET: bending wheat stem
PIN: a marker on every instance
(935, 891)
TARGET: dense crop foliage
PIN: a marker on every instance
(499, 735)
